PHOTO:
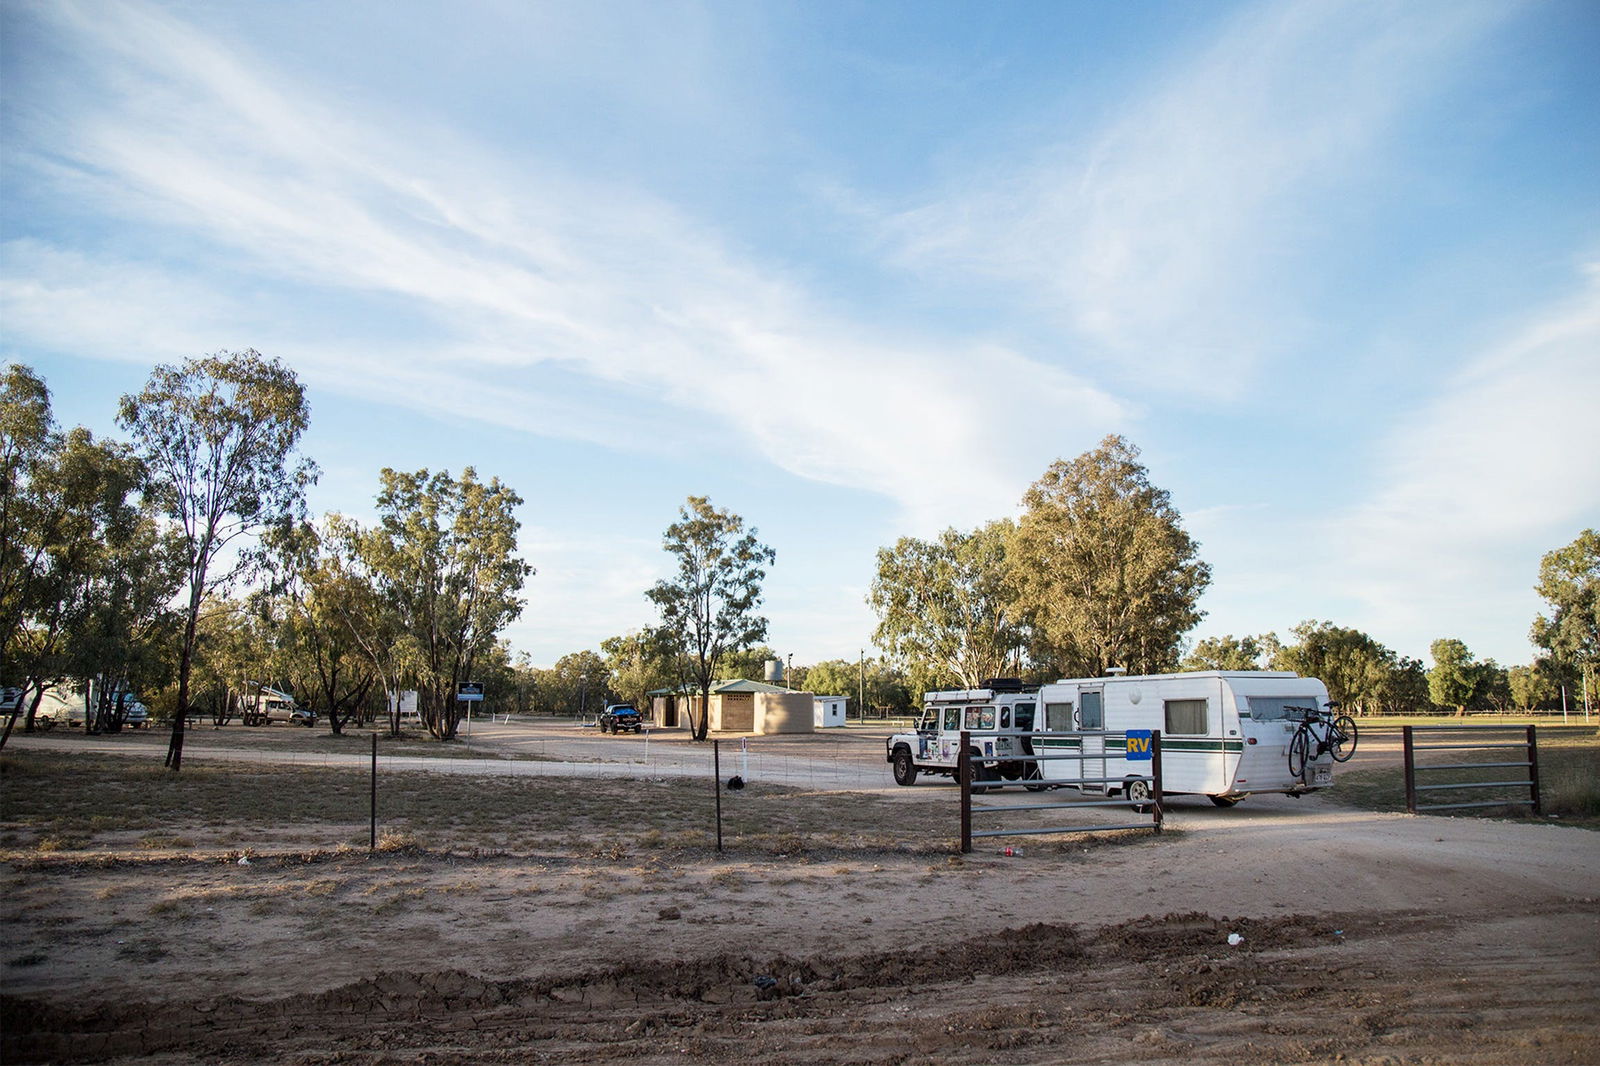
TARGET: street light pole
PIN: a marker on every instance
(583, 695)
(861, 700)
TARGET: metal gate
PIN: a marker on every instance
(1527, 748)
(1031, 784)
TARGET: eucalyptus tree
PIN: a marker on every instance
(1225, 653)
(1103, 568)
(639, 663)
(1358, 670)
(1569, 582)
(218, 435)
(443, 559)
(709, 606)
(90, 547)
(311, 596)
(1455, 680)
(28, 443)
(949, 605)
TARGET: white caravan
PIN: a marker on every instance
(1224, 734)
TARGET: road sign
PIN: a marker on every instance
(469, 691)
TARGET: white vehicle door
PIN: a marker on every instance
(1092, 717)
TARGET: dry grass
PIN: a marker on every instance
(64, 802)
(1569, 777)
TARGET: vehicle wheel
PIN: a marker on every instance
(1343, 738)
(905, 771)
(1137, 789)
(1224, 801)
(1299, 752)
(45, 724)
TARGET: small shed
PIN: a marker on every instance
(830, 711)
(738, 706)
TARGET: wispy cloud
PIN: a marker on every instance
(1171, 237)
(1506, 455)
(533, 277)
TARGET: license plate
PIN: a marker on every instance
(1324, 776)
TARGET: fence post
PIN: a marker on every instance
(964, 777)
(374, 825)
(1155, 775)
(716, 784)
(1411, 771)
(1533, 767)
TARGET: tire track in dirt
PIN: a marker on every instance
(994, 994)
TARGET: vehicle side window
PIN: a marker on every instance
(1186, 717)
(1058, 717)
(1091, 714)
(1024, 716)
(952, 719)
(986, 716)
(972, 717)
(1005, 718)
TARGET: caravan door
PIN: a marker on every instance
(1091, 719)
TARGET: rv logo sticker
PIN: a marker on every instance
(1139, 745)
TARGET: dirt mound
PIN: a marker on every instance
(638, 992)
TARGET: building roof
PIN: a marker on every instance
(722, 688)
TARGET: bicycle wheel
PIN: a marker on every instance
(1342, 738)
(1299, 751)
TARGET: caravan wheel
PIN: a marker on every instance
(1137, 789)
(1224, 801)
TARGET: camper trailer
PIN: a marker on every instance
(1224, 734)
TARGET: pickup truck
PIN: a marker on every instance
(621, 718)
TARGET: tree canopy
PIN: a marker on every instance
(217, 436)
(1103, 568)
(1569, 583)
(949, 604)
(443, 561)
(709, 606)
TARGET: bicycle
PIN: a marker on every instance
(1320, 733)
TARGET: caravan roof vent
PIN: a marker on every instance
(1116, 671)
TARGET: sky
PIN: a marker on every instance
(858, 271)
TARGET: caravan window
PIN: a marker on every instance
(1281, 708)
(1058, 717)
(1186, 716)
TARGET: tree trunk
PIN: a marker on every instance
(185, 662)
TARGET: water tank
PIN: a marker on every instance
(774, 671)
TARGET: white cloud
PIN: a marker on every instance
(1167, 238)
(1500, 467)
(537, 277)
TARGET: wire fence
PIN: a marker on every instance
(506, 786)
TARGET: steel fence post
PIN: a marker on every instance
(716, 784)
(964, 776)
(374, 805)
(1533, 767)
(1411, 771)
(1155, 774)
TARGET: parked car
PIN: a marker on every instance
(621, 718)
(279, 707)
